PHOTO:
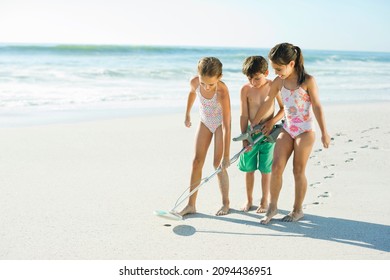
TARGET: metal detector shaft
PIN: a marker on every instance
(218, 170)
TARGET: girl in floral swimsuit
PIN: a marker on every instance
(299, 94)
(215, 116)
(298, 111)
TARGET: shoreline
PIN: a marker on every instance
(10, 119)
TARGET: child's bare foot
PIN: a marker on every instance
(293, 216)
(269, 215)
(263, 206)
(223, 211)
(247, 206)
(262, 209)
(189, 209)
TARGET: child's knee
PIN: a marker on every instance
(299, 170)
(197, 163)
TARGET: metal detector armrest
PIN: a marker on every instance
(256, 129)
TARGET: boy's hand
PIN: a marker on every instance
(246, 145)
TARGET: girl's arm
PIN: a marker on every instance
(190, 100)
(226, 125)
(312, 89)
(269, 125)
(280, 113)
(275, 88)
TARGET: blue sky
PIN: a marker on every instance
(310, 24)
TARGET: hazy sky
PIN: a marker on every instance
(310, 24)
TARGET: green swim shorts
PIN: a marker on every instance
(259, 158)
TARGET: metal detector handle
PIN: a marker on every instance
(205, 180)
(219, 169)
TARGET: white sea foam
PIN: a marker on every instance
(66, 78)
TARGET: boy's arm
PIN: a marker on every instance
(244, 110)
(312, 89)
(267, 102)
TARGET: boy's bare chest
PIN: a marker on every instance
(257, 96)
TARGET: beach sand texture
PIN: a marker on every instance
(88, 191)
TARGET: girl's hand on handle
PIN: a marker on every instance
(267, 128)
(325, 140)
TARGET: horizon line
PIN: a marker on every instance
(56, 44)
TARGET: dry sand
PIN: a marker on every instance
(88, 191)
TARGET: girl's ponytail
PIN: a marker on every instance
(299, 65)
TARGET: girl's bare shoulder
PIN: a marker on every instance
(309, 79)
(222, 88)
(194, 82)
(277, 83)
(310, 83)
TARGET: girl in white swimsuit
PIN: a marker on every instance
(298, 136)
(210, 110)
(214, 109)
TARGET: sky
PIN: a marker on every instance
(311, 24)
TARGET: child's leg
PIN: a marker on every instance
(282, 152)
(265, 189)
(266, 154)
(303, 145)
(202, 143)
(223, 178)
(249, 182)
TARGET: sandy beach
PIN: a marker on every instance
(87, 191)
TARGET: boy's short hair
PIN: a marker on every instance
(253, 65)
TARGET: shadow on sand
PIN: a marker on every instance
(356, 233)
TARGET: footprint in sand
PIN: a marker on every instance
(329, 176)
(340, 134)
(315, 184)
(324, 194)
(349, 140)
(374, 148)
(352, 152)
(330, 165)
(349, 160)
(372, 128)
(318, 150)
(305, 206)
(363, 147)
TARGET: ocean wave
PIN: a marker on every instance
(67, 76)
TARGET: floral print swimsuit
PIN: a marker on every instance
(210, 111)
(297, 111)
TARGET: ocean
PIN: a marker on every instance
(57, 82)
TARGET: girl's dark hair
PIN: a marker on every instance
(209, 67)
(283, 53)
(253, 65)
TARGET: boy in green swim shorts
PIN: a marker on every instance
(260, 156)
